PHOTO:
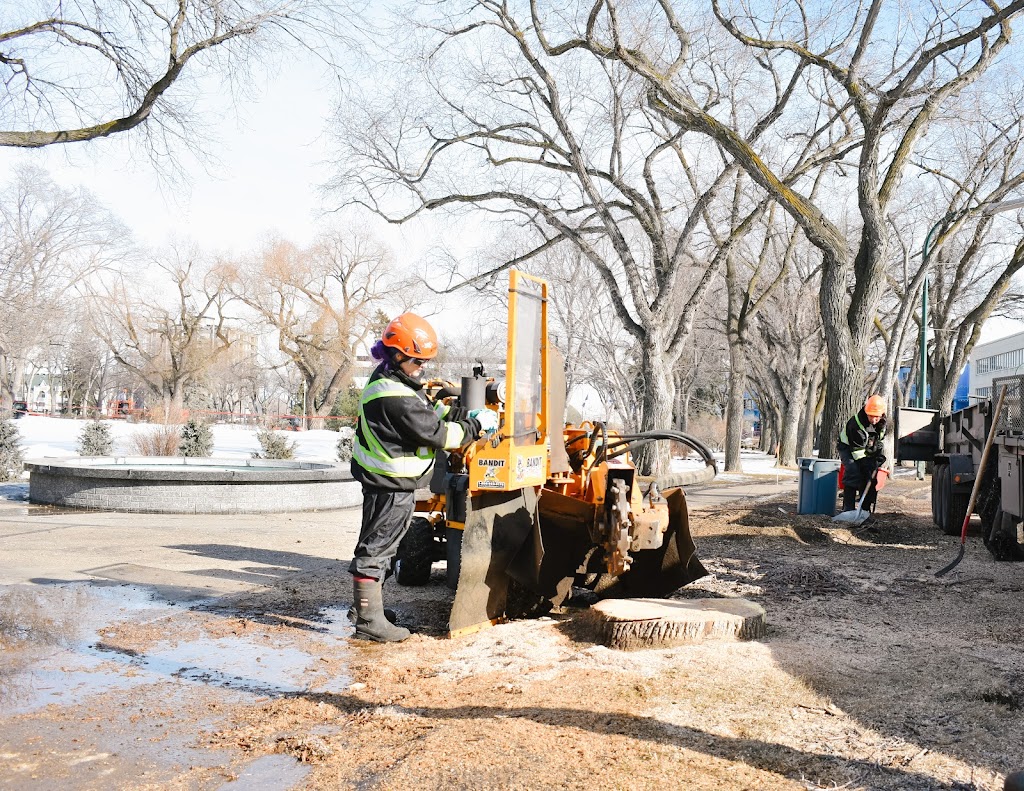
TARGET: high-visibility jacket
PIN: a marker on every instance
(861, 438)
(397, 432)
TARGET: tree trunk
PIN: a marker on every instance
(788, 432)
(792, 408)
(173, 403)
(6, 387)
(682, 409)
(845, 358)
(768, 434)
(805, 441)
(734, 403)
(943, 389)
(657, 397)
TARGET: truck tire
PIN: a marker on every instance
(989, 499)
(957, 513)
(1001, 541)
(940, 493)
(415, 554)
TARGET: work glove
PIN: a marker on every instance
(487, 418)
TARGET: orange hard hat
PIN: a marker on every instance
(412, 336)
(875, 406)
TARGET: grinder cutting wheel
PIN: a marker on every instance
(539, 507)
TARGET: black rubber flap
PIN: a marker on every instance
(559, 547)
(498, 524)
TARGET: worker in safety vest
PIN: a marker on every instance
(860, 448)
(396, 435)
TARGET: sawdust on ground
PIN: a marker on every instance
(874, 674)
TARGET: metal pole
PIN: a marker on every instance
(922, 374)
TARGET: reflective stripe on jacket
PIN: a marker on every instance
(397, 433)
(861, 438)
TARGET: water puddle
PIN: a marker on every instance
(53, 653)
(233, 662)
(269, 773)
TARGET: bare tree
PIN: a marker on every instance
(571, 147)
(975, 254)
(786, 354)
(230, 381)
(51, 240)
(80, 70)
(752, 276)
(322, 302)
(702, 376)
(168, 330)
(878, 78)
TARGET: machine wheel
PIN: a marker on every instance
(415, 553)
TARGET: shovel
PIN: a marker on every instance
(859, 515)
(855, 517)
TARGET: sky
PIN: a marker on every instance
(270, 153)
(269, 157)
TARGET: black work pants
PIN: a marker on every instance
(386, 517)
(858, 474)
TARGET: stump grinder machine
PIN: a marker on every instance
(540, 507)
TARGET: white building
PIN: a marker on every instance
(996, 359)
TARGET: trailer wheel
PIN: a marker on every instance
(990, 499)
(415, 553)
(957, 513)
(1002, 541)
(940, 494)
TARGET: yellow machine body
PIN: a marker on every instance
(540, 514)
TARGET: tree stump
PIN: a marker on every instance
(630, 624)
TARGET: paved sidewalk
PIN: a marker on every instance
(188, 557)
(184, 556)
(718, 493)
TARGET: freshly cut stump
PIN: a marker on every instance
(659, 623)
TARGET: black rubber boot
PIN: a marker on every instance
(849, 498)
(371, 623)
(390, 614)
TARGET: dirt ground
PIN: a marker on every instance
(874, 674)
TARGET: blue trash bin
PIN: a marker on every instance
(818, 486)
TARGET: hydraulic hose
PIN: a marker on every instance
(629, 442)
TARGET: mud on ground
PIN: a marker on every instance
(874, 675)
